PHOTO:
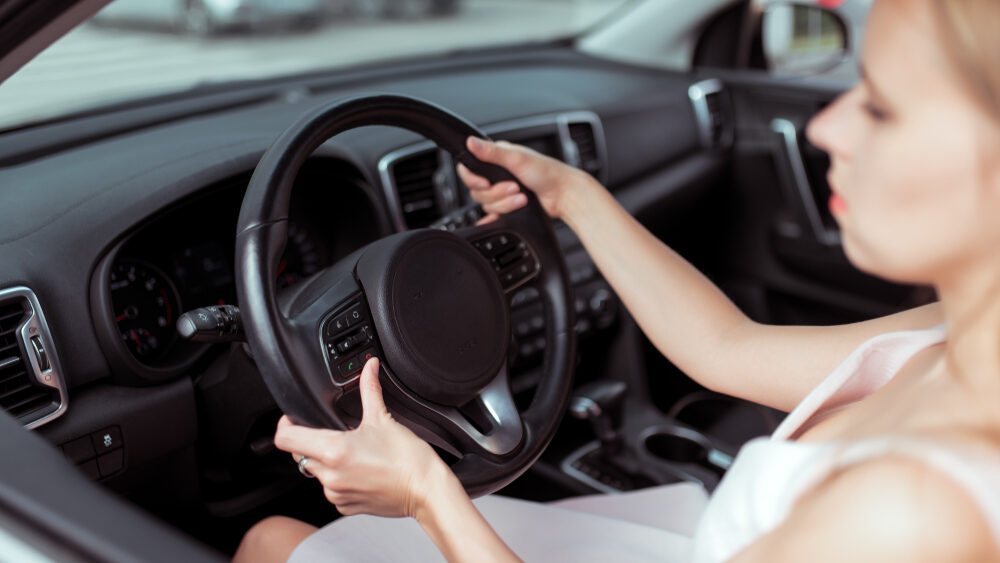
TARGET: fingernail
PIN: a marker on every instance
(476, 143)
(512, 189)
(521, 199)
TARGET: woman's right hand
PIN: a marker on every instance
(549, 178)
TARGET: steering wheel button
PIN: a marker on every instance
(354, 316)
(366, 355)
(349, 366)
(509, 258)
(523, 329)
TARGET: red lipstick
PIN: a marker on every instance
(837, 204)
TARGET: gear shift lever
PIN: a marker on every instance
(601, 403)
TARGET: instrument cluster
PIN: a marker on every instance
(185, 258)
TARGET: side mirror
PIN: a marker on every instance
(801, 39)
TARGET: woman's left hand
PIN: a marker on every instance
(379, 468)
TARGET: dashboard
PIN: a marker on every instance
(130, 220)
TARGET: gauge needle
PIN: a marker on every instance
(121, 317)
(282, 266)
(136, 338)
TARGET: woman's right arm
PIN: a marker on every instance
(681, 311)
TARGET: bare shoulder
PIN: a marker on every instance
(889, 509)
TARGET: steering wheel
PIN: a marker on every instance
(432, 305)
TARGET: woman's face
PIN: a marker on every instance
(914, 159)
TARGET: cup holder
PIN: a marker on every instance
(676, 448)
(683, 447)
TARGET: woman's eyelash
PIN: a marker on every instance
(875, 112)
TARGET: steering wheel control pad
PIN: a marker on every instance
(349, 340)
(511, 258)
(440, 313)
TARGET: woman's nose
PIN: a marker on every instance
(829, 128)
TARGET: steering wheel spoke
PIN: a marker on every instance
(489, 424)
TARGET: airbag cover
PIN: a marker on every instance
(439, 311)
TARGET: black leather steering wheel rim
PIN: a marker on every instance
(284, 356)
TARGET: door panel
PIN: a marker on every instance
(788, 263)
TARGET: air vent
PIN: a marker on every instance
(22, 391)
(582, 135)
(712, 111)
(716, 117)
(413, 177)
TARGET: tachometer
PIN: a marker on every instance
(145, 308)
(302, 257)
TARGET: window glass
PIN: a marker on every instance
(136, 48)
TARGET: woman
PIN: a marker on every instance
(895, 455)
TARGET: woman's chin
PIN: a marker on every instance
(885, 266)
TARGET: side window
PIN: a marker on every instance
(821, 38)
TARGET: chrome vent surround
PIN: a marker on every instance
(711, 109)
(421, 186)
(31, 385)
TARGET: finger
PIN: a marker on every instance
(372, 404)
(496, 193)
(332, 496)
(349, 509)
(310, 442)
(488, 219)
(506, 205)
(471, 179)
(285, 422)
(502, 154)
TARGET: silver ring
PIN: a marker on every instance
(303, 469)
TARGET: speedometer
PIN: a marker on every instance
(145, 308)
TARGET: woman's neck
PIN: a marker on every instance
(971, 305)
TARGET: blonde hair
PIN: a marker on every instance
(970, 37)
(970, 31)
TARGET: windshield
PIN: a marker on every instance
(136, 48)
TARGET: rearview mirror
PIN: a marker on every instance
(802, 38)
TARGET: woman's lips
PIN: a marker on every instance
(837, 204)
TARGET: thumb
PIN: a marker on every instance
(372, 403)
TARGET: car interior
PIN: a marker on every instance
(120, 221)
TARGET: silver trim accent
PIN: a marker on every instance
(35, 325)
(698, 94)
(584, 408)
(15, 549)
(790, 137)
(498, 402)
(567, 467)
(561, 121)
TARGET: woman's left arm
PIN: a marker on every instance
(384, 469)
(889, 509)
